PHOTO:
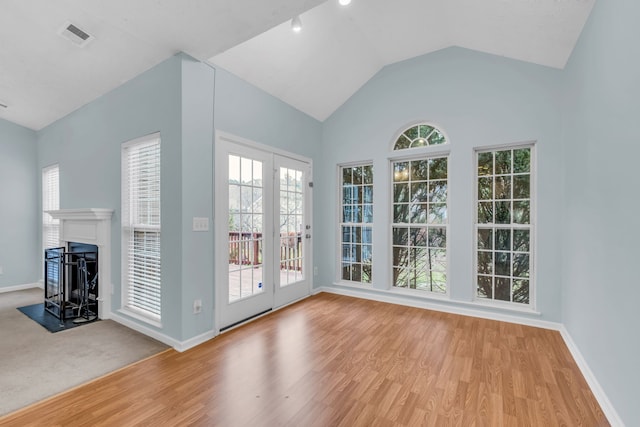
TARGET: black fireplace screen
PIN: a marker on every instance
(71, 281)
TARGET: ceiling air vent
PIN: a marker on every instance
(75, 34)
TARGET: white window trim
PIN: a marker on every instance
(409, 154)
(531, 307)
(134, 312)
(49, 223)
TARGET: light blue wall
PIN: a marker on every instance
(582, 119)
(478, 100)
(214, 97)
(601, 233)
(175, 98)
(19, 218)
(198, 81)
(243, 110)
(248, 112)
(87, 146)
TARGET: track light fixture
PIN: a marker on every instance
(296, 24)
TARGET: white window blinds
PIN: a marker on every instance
(50, 202)
(141, 226)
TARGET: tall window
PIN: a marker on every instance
(420, 217)
(356, 223)
(50, 202)
(141, 226)
(503, 225)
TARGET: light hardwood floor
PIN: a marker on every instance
(337, 361)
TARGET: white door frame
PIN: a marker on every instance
(221, 226)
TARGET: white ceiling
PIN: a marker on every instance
(43, 76)
(340, 48)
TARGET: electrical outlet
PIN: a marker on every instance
(197, 306)
(315, 271)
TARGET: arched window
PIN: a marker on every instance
(420, 212)
(422, 135)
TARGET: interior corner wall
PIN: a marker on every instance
(87, 146)
(198, 84)
(19, 218)
(478, 100)
(177, 98)
(601, 234)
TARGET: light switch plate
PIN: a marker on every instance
(200, 224)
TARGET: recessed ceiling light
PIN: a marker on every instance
(296, 24)
(344, 2)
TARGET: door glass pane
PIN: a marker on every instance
(291, 226)
(245, 227)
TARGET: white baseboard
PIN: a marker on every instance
(434, 305)
(596, 388)
(179, 346)
(590, 378)
(145, 330)
(20, 287)
(197, 340)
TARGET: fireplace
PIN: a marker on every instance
(71, 286)
(88, 231)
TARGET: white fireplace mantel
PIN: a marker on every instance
(91, 226)
(83, 214)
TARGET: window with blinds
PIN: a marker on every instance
(142, 290)
(50, 202)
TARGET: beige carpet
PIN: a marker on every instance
(35, 364)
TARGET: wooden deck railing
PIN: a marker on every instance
(245, 248)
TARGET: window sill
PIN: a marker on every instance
(355, 285)
(443, 300)
(503, 306)
(137, 316)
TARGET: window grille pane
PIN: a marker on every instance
(419, 232)
(419, 136)
(503, 224)
(356, 221)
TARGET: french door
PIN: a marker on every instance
(262, 240)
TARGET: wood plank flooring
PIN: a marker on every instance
(337, 361)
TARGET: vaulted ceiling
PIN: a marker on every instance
(44, 76)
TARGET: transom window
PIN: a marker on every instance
(356, 223)
(422, 135)
(503, 225)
